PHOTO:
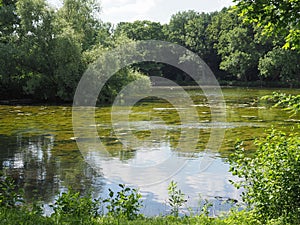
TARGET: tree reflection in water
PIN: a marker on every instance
(42, 170)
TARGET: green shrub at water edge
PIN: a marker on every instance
(72, 204)
(125, 203)
(21, 215)
(16, 217)
(10, 196)
(271, 179)
(288, 102)
(176, 198)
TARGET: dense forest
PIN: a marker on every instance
(44, 51)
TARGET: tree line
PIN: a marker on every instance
(44, 51)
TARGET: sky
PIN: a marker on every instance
(116, 11)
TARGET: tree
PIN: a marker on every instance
(239, 45)
(8, 20)
(280, 65)
(54, 45)
(140, 30)
(196, 34)
(68, 64)
(221, 22)
(277, 17)
(198, 40)
(9, 50)
(98, 56)
(176, 29)
(37, 35)
(189, 29)
(236, 45)
(239, 53)
(81, 16)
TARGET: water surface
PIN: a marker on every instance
(38, 148)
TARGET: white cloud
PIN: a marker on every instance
(139, 6)
(55, 3)
(128, 10)
(116, 11)
(225, 3)
(116, 2)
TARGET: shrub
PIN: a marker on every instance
(72, 204)
(271, 178)
(126, 202)
(288, 102)
(176, 198)
(13, 216)
(10, 195)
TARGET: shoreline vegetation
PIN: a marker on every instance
(187, 86)
(12, 216)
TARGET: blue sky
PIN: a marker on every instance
(155, 10)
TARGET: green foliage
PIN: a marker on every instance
(72, 204)
(271, 178)
(239, 53)
(288, 102)
(176, 29)
(195, 37)
(221, 22)
(44, 51)
(125, 202)
(13, 216)
(115, 84)
(68, 64)
(280, 64)
(81, 17)
(176, 198)
(278, 17)
(140, 30)
(35, 208)
(70, 208)
(190, 29)
(10, 196)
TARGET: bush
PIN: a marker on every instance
(10, 196)
(288, 102)
(118, 81)
(71, 204)
(126, 202)
(271, 178)
(13, 216)
(176, 198)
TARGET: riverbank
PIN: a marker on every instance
(31, 101)
(250, 84)
(12, 217)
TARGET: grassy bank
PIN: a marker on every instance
(122, 207)
(15, 216)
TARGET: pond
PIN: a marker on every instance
(39, 150)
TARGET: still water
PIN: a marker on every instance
(39, 150)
